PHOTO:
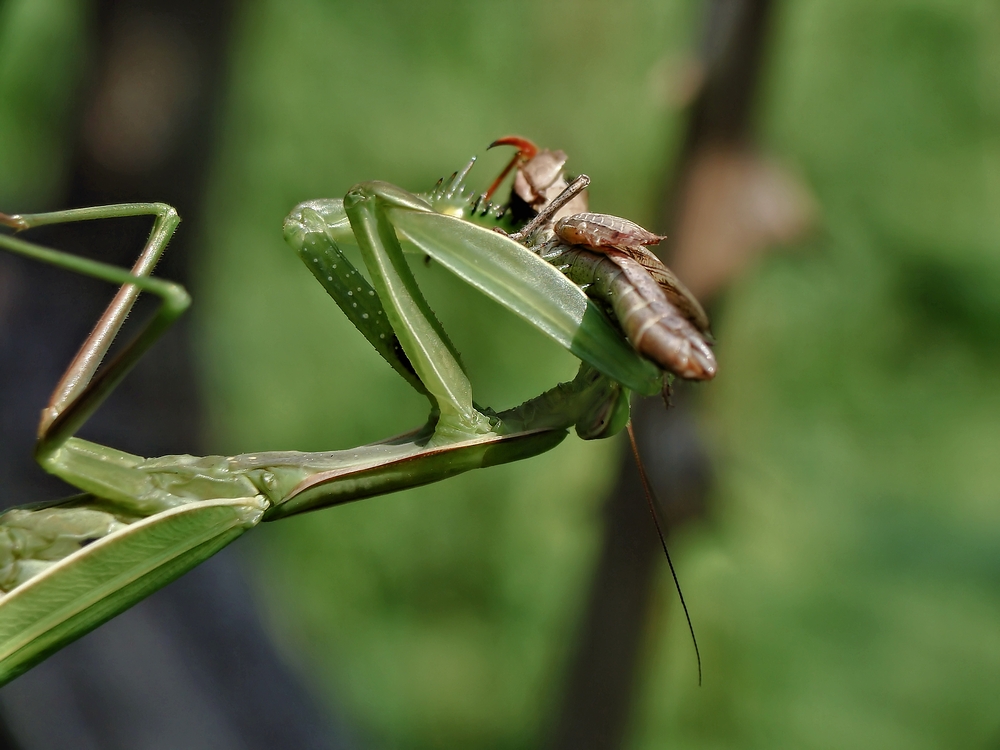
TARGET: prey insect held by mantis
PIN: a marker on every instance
(69, 565)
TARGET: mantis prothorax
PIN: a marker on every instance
(68, 566)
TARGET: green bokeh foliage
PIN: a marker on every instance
(845, 589)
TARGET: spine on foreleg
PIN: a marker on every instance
(307, 230)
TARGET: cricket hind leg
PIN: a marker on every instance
(85, 384)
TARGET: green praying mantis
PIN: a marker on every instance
(69, 565)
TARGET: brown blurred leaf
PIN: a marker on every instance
(736, 204)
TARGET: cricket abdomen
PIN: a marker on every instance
(599, 231)
(653, 325)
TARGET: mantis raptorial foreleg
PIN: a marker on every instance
(433, 356)
(370, 217)
(315, 230)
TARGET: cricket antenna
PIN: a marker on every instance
(663, 542)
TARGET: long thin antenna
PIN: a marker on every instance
(663, 542)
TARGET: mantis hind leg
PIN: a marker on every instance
(85, 384)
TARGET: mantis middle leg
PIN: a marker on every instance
(105, 472)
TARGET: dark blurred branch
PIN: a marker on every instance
(732, 52)
(603, 671)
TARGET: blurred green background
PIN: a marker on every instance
(846, 588)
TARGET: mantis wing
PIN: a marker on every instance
(73, 596)
(498, 266)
